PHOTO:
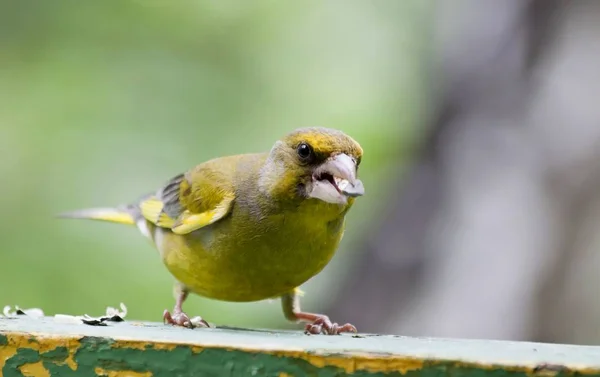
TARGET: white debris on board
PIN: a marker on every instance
(98, 321)
(78, 320)
(197, 321)
(67, 319)
(33, 312)
(112, 315)
(115, 315)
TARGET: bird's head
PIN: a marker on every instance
(315, 163)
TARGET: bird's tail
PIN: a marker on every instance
(123, 215)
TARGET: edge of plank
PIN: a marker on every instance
(154, 347)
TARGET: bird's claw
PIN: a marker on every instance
(323, 325)
(179, 318)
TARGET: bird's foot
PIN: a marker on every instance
(323, 325)
(179, 318)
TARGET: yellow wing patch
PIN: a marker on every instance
(188, 222)
(151, 209)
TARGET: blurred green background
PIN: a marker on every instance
(102, 101)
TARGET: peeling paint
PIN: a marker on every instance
(6, 352)
(36, 369)
(70, 360)
(83, 352)
(343, 362)
(142, 346)
(120, 373)
(36, 354)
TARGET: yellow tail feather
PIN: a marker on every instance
(103, 214)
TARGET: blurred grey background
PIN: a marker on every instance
(480, 122)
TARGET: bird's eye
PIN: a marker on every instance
(304, 151)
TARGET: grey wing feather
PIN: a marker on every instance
(169, 195)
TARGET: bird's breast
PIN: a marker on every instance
(237, 260)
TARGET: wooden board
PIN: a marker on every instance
(42, 347)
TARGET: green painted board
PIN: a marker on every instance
(42, 347)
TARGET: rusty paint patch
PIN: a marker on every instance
(143, 346)
(45, 346)
(347, 363)
(403, 365)
(354, 363)
(73, 346)
(36, 369)
(6, 352)
(137, 345)
(120, 373)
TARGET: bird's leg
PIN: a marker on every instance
(315, 323)
(179, 318)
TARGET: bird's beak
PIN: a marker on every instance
(335, 180)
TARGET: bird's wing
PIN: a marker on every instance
(190, 201)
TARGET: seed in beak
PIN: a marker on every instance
(341, 183)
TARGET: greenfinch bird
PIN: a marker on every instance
(251, 227)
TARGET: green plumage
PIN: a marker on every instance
(252, 227)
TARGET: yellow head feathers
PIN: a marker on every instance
(325, 143)
(314, 163)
